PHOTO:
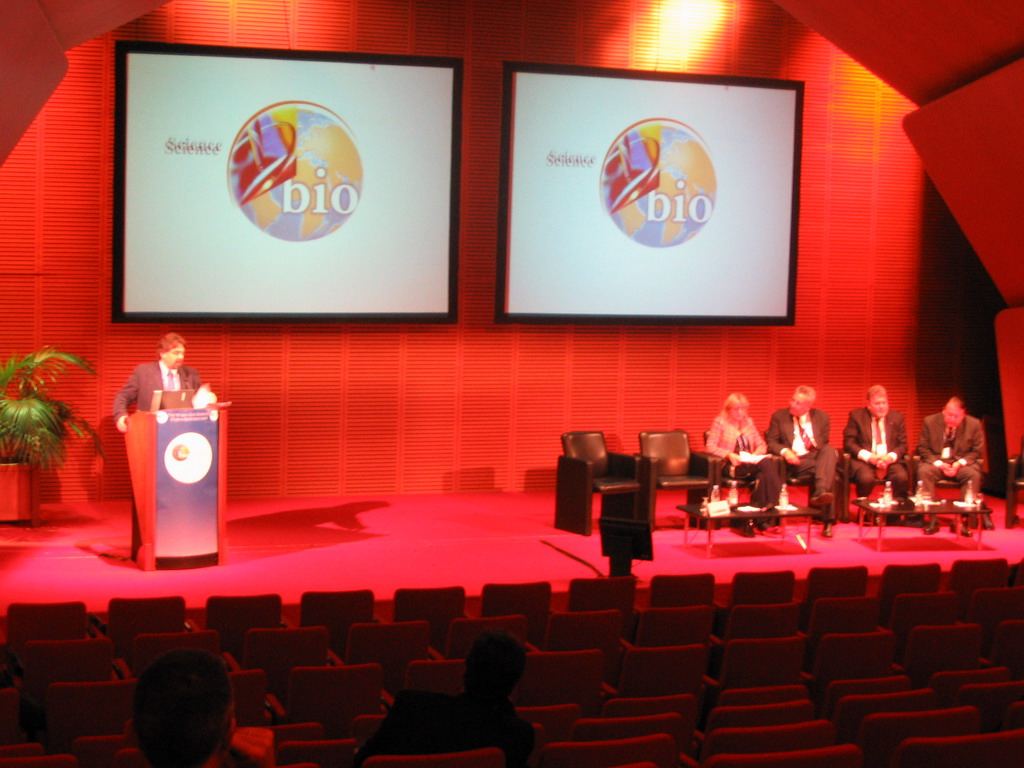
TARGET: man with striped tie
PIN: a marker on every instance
(799, 434)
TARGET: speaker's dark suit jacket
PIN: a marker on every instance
(145, 380)
(428, 723)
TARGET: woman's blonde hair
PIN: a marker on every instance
(736, 398)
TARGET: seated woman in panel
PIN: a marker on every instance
(734, 437)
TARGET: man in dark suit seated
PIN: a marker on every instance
(799, 434)
(951, 445)
(427, 723)
(876, 439)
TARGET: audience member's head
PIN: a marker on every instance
(183, 709)
(494, 665)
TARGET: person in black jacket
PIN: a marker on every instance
(424, 722)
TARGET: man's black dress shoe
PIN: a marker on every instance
(931, 527)
(821, 500)
(986, 521)
(827, 531)
(747, 529)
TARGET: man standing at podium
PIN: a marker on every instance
(167, 372)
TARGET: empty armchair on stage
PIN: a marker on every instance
(676, 467)
(588, 467)
(627, 483)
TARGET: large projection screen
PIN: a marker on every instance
(285, 185)
(642, 197)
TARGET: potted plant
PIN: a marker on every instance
(34, 427)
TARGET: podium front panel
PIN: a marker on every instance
(186, 484)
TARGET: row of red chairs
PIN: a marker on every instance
(592, 590)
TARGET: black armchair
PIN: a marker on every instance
(587, 467)
(676, 467)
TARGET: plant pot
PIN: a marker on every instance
(19, 494)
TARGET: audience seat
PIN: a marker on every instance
(489, 757)
(579, 630)
(334, 696)
(965, 576)
(900, 578)
(880, 733)
(808, 734)
(986, 750)
(336, 610)
(658, 748)
(831, 581)
(933, 649)
(991, 699)
(463, 631)
(757, 715)
(128, 617)
(86, 709)
(838, 756)
(324, 753)
(531, 599)
(852, 709)
(438, 606)
(234, 615)
(392, 645)
(608, 593)
(682, 625)
(678, 590)
(562, 677)
(148, 646)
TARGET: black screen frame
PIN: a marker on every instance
(119, 314)
(502, 313)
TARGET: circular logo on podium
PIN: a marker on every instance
(188, 457)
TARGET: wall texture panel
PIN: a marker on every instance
(887, 288)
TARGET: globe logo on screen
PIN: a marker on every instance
(658, 184)
(295, 171)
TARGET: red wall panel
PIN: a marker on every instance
(887, 289)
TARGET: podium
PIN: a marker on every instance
(178, 464)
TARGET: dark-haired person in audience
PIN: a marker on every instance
(734, 437)
(876, 439)
(951, 446)
(426, 723)
(183, 716)
(799, 434)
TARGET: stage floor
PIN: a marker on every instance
(382, 542)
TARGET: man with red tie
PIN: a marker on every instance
(799, 434)
(876, 439)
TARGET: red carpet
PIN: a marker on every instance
(384, 542)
